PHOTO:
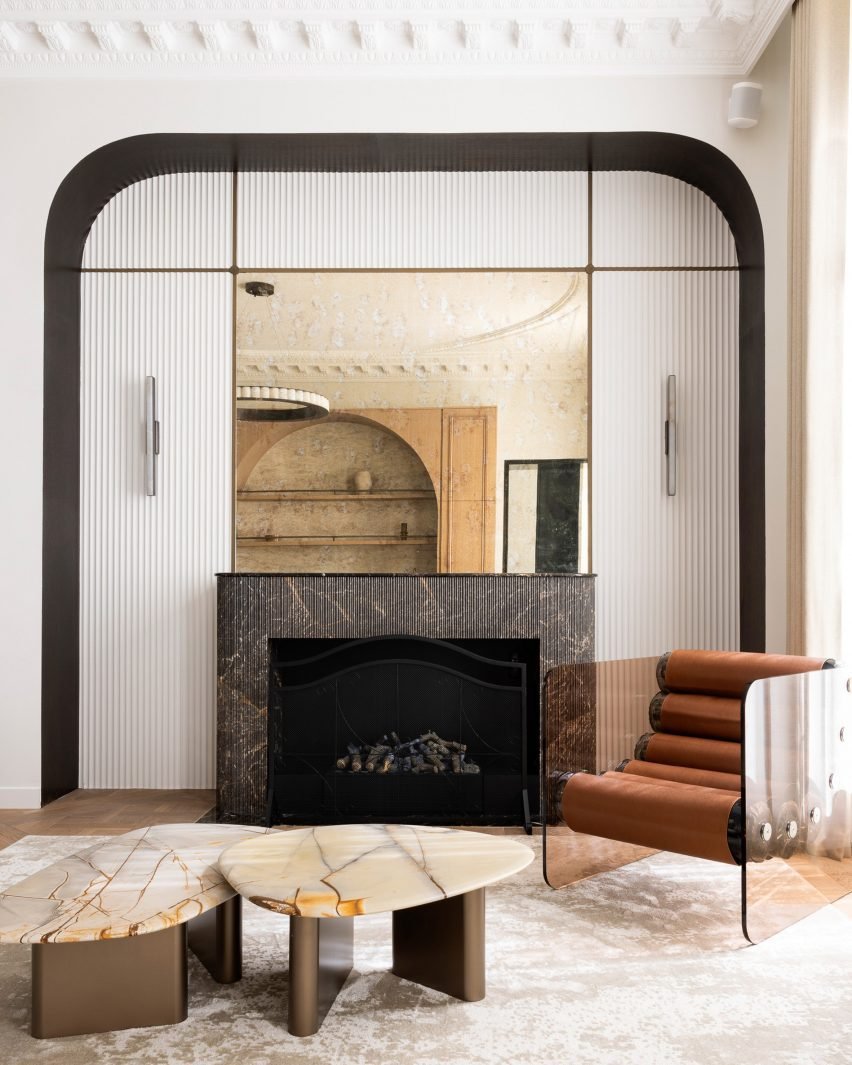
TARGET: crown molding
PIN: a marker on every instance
(256, 367)
(289, 37)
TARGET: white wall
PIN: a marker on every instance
(147, 594)
(668, 566)
(47, 126)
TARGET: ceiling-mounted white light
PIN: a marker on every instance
(744, 104)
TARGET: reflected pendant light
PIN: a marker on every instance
(271, 403)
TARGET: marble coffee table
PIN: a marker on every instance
(110, 925)
(433, 879)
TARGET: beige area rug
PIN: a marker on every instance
(644, 964)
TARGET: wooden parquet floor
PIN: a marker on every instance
(105, 812)
(109, 812)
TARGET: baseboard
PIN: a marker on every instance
(20, 798)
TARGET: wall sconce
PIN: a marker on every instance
(744, 104)
(152, 436)
(670, 437)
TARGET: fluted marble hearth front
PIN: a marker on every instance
(350, 870)
(139, 882)
(557, 609)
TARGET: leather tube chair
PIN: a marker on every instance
(682, 790)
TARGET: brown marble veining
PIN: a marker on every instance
(350, 870)
(556, 609)
(592, 715)
(128, 885)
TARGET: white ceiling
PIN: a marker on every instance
(279, 37)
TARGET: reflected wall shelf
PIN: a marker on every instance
(325, 541)
(330, 495)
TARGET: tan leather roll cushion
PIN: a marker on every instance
(710, 716)
(716, 755)
(681, 818)
(683, 775)
(728, 672)
(660, 782)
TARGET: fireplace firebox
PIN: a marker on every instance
(453, 727)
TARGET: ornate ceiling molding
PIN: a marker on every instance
(281, 37)
(260, 367)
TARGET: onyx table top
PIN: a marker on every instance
(141, 881)
(349, 870)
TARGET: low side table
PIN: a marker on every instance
(432, 879)
(110, 925)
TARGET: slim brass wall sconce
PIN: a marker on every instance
(152, 436)
(671, 435)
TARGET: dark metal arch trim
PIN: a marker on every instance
(98, 177)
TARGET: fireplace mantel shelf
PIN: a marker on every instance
(332, 541)
(409, 576)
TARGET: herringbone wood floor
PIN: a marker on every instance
(109, 812)
(105, 812)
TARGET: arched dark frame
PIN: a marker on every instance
(98, 177)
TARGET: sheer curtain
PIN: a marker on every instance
(820, 400)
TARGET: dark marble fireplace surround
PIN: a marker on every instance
(555, 609)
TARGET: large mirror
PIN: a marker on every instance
(412, 421)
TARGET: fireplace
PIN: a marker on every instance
(556, 610)
(403, 729)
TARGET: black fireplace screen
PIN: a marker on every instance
(403, 728)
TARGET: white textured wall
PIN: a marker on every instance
(184, 220)
(642, 219)
(410, 220)
(147, 590)
(48, 126)
(668, 566)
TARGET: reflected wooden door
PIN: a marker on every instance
(468, 490)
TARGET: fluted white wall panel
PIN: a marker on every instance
(412, 220)
(668, 567)
(147, 609)
(175, 221)
(642, 219)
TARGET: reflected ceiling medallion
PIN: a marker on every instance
(271, 403)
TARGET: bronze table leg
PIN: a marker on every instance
(442, 945)
(109, 984)
(216, 939)
(321, 955)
